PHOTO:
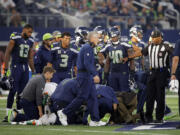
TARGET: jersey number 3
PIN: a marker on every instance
(64, 60)
(24, 49)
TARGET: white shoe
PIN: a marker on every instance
(93, 123)
(62, 118)
(101, 123)
(97, 123)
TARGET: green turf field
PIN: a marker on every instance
(6, 129)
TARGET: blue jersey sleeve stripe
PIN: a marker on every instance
(74, 50)
(15, 37)
(125, 44)
(104, 49)
(55, 48)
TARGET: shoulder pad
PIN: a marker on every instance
(31, 39)
(55, 46)
(126, 44)
(15, 35)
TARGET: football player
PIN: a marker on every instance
(140, 76)
(21, 52)
(116, 61)
(62, 57)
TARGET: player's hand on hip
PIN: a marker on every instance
(96, 79)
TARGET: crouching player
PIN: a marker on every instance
(31, 101)
(66, 92)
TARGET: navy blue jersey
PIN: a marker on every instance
(62, 59)
(96, 51)
(85, 60)
(65, 91)
(106, 92)
(116, 53)
(41, 58)
(21, 49)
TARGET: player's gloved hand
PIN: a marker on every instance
(5, 72)
(5, 76)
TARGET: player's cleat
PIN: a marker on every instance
(97, 123)
(89, 118)
(106, 117)
(5, 119)
(62, 118)
(102, 123)
(10, 116)
(170, 116)
(93, 123)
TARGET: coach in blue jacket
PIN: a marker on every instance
(86, 77)
(42, 56)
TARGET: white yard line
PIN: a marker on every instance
(172, 96)
(89, 131)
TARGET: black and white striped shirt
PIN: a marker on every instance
(158, 55)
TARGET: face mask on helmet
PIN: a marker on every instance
(136, 32)
(115, 36)
(81, 36)
(115, 40)
(100, 30)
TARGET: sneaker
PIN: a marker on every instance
(62, 118)
(5, 119)
(93, 123)
(11, 116)
(170, 116)
(106, 118)
(97, 123)
(102, 123)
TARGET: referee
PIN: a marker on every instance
(158, 53)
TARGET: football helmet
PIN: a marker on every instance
(136, 32)
(81, 35)
(100, 30)
(6, 83)
(114, 32)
